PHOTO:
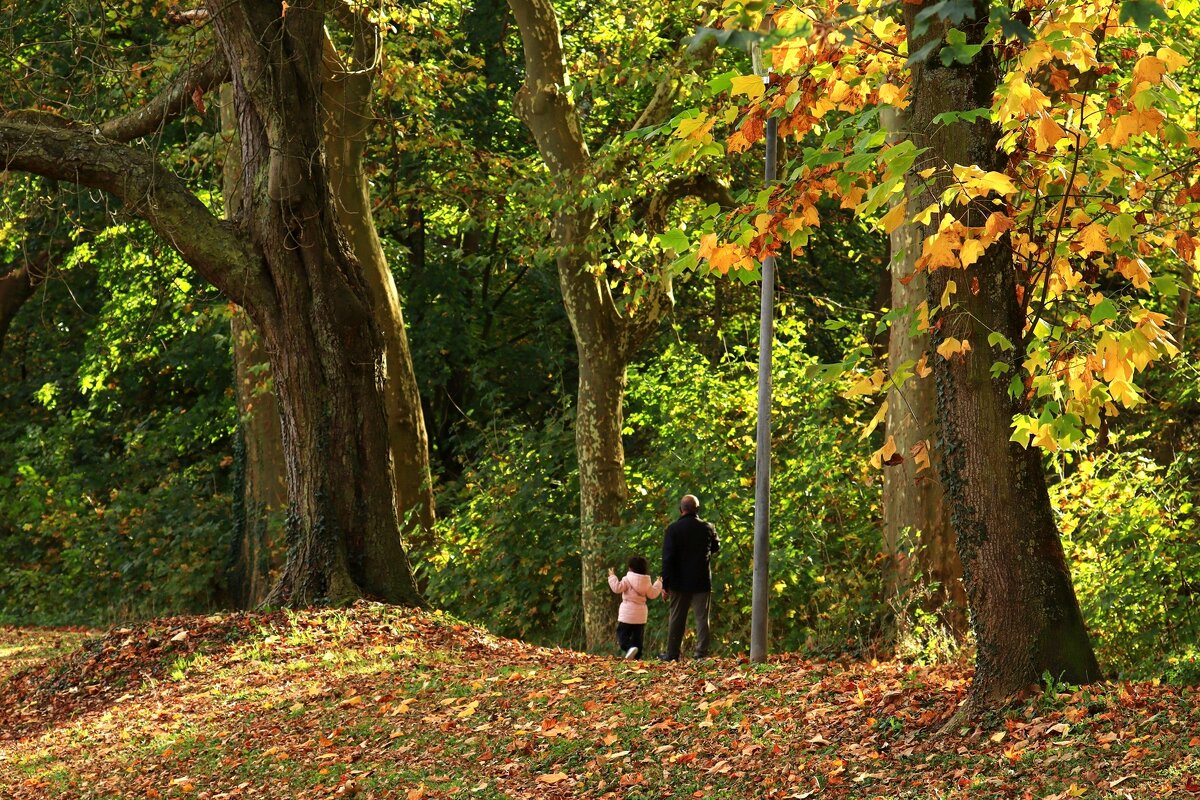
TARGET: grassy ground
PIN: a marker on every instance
(387, 703)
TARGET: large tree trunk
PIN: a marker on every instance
(1024, 613)
(325, 346)
(260, 491)
(916, 521)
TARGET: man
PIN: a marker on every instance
(687, 581)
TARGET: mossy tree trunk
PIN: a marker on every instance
(917, 530)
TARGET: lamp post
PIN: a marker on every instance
(762, 459)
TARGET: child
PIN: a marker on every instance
(635, 588)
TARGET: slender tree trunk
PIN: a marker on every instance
(914, 512)
(261, 491)
(347, 96)
(1179, 321)
(1024, 612)
(602, 488)
(606, 336)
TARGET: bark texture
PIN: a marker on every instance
(606, 335)
(914, 510)
(1024, 612)
(325, 346)
(260, 490)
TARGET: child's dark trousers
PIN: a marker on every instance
(630, 635)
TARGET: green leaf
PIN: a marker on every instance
(1103, 312)
(957, 49)
(1141, 12)
(996, 338)
(675, 240)
(1121, 227)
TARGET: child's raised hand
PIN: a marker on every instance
(611, 571)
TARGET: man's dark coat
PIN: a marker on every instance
(688, 543)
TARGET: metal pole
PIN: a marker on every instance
(762, 459)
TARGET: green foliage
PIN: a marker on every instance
(509, 550)
(1130, 532)
(115, 415)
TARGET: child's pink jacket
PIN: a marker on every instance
(634, 589)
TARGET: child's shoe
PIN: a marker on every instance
(631, 652)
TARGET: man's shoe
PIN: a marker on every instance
(667, 657)
(631, 652)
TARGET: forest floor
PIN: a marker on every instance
(379, 702)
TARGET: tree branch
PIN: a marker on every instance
(658, 109)
(211, 246)
(170, 103)
(544, 102)
(659, 298)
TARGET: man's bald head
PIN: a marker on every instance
(689, 504)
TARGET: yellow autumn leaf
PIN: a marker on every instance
(749, 85)
(920, 454)
(974, 182)
(971, 250)
(884, 454)
(1149, 69)
(553, 777)
(1124, 393)
(1048, 133)
(869, 384)
(947, 293)
(952, 346)
(893, 95)
(894, 218)
(1094, 239)
(925, 216)
(922, 369)
(875, 420)
(1173, 61)
(1044, 438)
(938, 251)
(997, 182)
(695, 127)
(923, 316)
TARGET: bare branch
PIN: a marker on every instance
(187, 16)
(211, 246)
(170, 103)
(658, 109)
(659, 298)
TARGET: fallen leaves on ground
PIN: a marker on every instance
(380, 702)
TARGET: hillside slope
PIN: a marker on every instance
(380, 702)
